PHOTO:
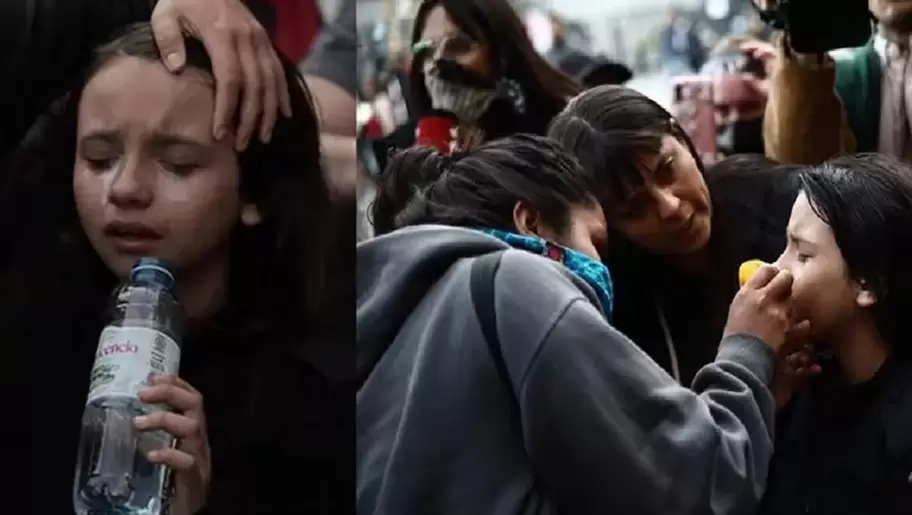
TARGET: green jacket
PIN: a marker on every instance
(859, 86)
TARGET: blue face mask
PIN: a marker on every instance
(594, 272)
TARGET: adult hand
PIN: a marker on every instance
(242, 59)
(795, 366)
(739, 91)
(761, 307)
(190, 459)
(761, 51)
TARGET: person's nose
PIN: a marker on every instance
(430, 62)
(439, 50)
(130, 187)
(781, 262)
(429, 66)
(668, 203)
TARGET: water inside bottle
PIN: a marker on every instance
(114, 476)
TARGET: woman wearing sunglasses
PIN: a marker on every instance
(475, 76)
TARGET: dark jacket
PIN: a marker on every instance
(599, 427)
(278, 397)
(278, 416)
(667, 312)
(845, 451)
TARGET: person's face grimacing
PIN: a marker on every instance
(586, 232)
(822, 291)
(149, 179)
(670, 212)
(448, 41)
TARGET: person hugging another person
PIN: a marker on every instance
(678, 231)
(492, 379)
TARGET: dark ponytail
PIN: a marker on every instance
(481, 188)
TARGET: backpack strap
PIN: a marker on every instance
(481, 285)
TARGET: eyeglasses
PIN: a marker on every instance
(453, 45)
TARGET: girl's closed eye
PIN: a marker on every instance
(99, 155)
(179, 168)
(182, 159)
(99, 163)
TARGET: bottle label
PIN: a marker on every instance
(127, 358)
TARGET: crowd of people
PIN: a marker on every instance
(549, 312)
(521, 294)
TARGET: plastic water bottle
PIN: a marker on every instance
(141, 339)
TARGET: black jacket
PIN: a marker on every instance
(845, 450)
(280, 424)
(750, 214)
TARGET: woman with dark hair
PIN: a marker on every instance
(476, 76)
(844, 443)
(492, 380)
(133, 170)
(679, 232)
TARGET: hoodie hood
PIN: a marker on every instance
(395, 272)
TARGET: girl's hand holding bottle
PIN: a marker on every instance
(190, 458)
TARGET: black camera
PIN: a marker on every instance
(818, 26)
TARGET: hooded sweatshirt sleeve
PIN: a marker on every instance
(607, 427)
(44, 45)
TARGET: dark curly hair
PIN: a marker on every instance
(480, 188)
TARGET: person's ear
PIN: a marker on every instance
(250, 215)
(525, 219)
(864, 295)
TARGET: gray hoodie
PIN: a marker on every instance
(603, 429)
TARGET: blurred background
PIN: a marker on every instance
(655, 39)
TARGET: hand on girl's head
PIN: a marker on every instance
(244, 62)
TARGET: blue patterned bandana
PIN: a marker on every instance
(595, 273)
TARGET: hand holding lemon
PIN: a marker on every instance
(747, 270)
(762, 305)
(795, 363)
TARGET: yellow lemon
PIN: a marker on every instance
(748, 269)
